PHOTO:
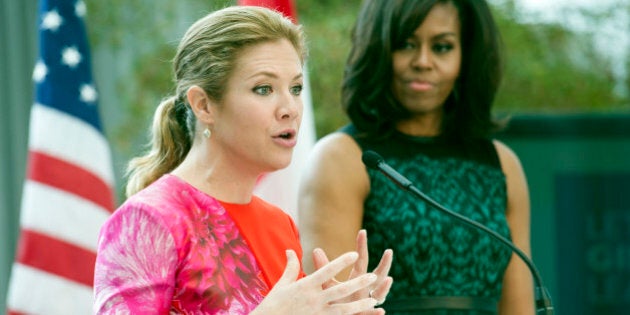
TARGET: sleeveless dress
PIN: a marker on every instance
(440, 263)
(172, 249)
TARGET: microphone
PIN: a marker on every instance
(543, 300)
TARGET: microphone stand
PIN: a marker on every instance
(543, 299)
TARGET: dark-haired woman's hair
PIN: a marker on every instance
(381, 27)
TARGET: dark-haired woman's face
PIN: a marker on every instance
(426, 67)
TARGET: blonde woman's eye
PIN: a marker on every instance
(263, 90)
(296, 90)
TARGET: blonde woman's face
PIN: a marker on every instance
(259, 116)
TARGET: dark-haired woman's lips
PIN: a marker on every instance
(420, 85)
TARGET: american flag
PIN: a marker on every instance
(281, 187)
(68, 191)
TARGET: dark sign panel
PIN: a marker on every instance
(593, 242)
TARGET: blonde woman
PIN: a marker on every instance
(191, 238)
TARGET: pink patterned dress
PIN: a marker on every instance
(172, 249)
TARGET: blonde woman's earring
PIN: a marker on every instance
(207, 133)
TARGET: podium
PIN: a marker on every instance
(578, 171)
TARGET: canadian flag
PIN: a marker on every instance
(281, 187)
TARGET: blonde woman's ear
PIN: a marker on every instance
(200, 104)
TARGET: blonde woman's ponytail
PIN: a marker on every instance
(170, 142)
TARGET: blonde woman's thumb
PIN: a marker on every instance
(292, 269)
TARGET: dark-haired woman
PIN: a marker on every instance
(418, 88)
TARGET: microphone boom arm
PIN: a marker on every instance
(544, 305)
(543, 300)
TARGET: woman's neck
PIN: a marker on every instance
(217, 178)
(421, 125)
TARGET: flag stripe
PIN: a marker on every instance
(58, 134)
(57, 213)
(46, 294)
(54, 172)
(57, 257)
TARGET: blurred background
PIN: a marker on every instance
(566, 89)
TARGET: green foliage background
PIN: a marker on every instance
(549, 69)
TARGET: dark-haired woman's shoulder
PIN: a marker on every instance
(336, 160)
(510, 163)
(333, 186)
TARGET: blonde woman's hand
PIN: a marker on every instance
(310, 295)
(378, 289)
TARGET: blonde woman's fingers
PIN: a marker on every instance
(330, 270)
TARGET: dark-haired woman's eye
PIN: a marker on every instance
(263, 90)
(442, 48)
(408, 45)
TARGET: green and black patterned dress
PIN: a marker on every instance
(441, 266)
